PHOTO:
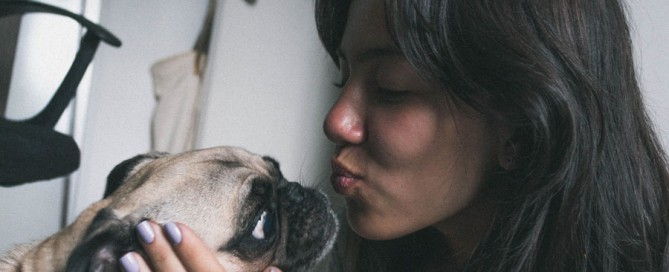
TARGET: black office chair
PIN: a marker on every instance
(30, 150)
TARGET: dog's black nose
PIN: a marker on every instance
(294, 192)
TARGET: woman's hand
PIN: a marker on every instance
(174, 247)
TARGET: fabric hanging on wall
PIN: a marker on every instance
(177, 85)
(177, 91)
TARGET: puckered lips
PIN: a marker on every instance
(342, 179)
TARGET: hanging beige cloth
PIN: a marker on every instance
(177, 87)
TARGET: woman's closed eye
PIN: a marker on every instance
(390, 96)
(381, 94)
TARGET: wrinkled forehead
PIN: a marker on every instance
(229, 157)
(218, 166)
(199, 178)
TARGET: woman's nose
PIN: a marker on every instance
(345, 124)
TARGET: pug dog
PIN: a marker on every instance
(237, 202)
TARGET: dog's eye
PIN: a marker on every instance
(264, 226)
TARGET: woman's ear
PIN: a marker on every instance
(508, 157)
(509, 146)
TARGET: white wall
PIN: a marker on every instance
(269, 86)
(651, 37)
(122, 101)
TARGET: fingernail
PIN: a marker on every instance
(129, 263)
(145, 232)
(173, 233)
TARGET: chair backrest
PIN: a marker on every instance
(31, 150)
(87, 47)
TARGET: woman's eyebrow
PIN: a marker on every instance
(371, 53)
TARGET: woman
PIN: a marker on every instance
(489, 135)
(547, 88)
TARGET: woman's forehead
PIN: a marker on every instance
(366, 32)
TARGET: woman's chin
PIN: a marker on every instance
(372, 228)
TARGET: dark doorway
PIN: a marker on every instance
(9, 30)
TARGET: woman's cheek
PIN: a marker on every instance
(406, 136)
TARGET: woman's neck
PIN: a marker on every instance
(465, 230)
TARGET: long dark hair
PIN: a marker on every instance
(591, 182)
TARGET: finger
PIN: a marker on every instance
(193, 252)
(133, 262)
(272, 269)
(157, 248)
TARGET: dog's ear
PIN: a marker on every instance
(126, 168)
(276, 168)
(106, 240)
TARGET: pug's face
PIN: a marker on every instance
(236, 201)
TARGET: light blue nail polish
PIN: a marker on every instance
(145, 232)
(129, 263)
(173, 233)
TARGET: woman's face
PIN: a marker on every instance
(406, 157)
